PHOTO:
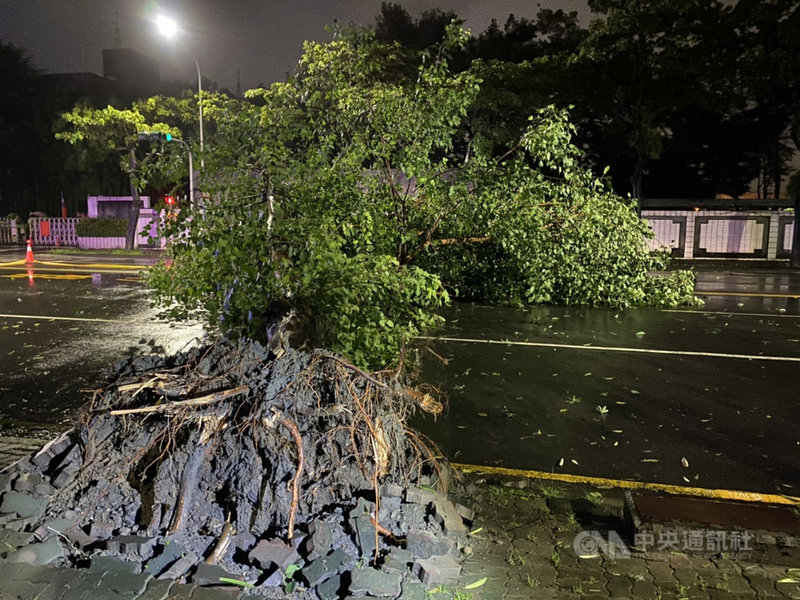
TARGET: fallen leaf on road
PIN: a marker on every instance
(652, 460)
(685, 462)
(476, 584)
(561, 463)
(639, 333)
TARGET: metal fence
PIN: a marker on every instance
(53, 232)
(11, 232)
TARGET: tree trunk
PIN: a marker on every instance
(133, 219)
(794, 257)
(636, 182)
(777, 170)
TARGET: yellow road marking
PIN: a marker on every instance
(680, 490)
(67, 276)
(746, 294)
(52, 318)
(612, 349)
(91, 265)
(730, 314)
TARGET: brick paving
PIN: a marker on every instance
(521, 544)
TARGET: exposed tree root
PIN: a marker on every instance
(296, 480)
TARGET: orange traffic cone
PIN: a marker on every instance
(29, 253)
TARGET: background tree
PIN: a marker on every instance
(113, 130)
(24, 128)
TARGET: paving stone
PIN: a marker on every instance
(214, 593)
(365, 535)
(14, 538)
(424, 544)
(61, 580)
(27, 482)
(415, 495)
(273, 552)
(618, 585)
(392, 490)
(466, 513)
(320, 541)
(136, 547)
(42, 553)
(86, 587)
(413, 590)
(182, 591)
(437, 570)
(209, 575)
(101, 530)
(763, 585)
(448, 517)
(63, 476)
(21, 524)
(326, 566)
(372, 582)
(645, 590)
(51, 528)
(21, 590)
(157, 589)
(398, 560)
(109, 565)
(24, 505)
(179, 567)
(125, 585)
(685, 576)
(329, 589)
(169, 554)
(662, 574)
(81, 539)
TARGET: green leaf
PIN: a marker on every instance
(476, 584)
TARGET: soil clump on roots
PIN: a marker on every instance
(277, 472)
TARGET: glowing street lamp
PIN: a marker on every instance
(169, 29)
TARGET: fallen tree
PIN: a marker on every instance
(338, 211)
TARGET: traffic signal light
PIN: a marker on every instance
(155, 136)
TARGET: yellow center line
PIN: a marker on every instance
(680, 490)
(730, 314)
(64, 276)
(91, 265)
(80, 319)
(746, 294)
(611, 349)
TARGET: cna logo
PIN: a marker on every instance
(588, 544)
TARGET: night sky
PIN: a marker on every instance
(260, 39)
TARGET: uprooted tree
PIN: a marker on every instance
(340, 210)
(351, 199)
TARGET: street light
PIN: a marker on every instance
(153, 136)
(169, 28)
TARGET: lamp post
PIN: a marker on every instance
(168, 28)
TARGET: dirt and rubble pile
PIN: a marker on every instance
(230, 465)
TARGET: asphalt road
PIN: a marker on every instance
(703, 398)
(64, 323)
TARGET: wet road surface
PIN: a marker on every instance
(62, 327)
(708, 399)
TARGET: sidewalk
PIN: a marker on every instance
(522, 543)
